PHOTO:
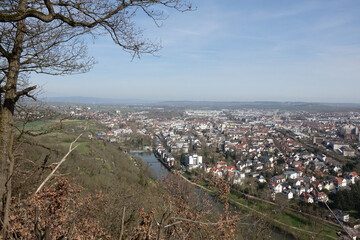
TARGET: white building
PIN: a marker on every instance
(289, 194)
(193, 161)
(291, 175)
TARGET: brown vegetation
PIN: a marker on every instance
(56, 212)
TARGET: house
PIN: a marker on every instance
(290, 175)
(237, 178)
(296, 164)
(239, 174)
(276, 187)
(261, 179)
(316, 165)
(170, 160)
(354, 174)
(322, 197)
(229, 169)
(286, 185)
(311, 178)
(240, 165)
(339, 182)
(298, 190)
(351, 177)
(335, 169)
(321, 157)
(328, 185)
(217, 172)
(308, 187)
(254, 174)
(278, 179)
(317, 185)
(347, 151)
(248, 163)
(337, 145)
(207, 168)
(306, 197)
(221, 164)
(294, 182)
(289, 194)
(259, 166)
(342, 216)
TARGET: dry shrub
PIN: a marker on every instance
(58, 211)
(185, 215)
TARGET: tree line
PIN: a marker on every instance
(347, 200)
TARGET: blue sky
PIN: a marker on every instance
(249, 50)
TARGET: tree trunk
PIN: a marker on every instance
(6, 122)
(5, 138)
(5, 133)
(8, 186)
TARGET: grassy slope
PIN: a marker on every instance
(96, 166)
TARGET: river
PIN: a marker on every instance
(158, 171)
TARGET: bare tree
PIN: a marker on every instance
(47, 36)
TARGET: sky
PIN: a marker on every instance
(231, 50)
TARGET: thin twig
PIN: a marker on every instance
(203, 223)
(122, 224)
(172, 224)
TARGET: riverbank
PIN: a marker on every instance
(161, 160)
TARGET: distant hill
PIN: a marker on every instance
(285, 106)
(93, 100)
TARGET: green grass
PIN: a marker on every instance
(83, 147)
(305, 223)
(236, 197)
(295, 220)
(36, 125)
(287, 217)
(188, 176)
(264, 207)
(202, 183)
(107, 165)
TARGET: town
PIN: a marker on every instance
(306, 157)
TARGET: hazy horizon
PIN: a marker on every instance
(137, 100)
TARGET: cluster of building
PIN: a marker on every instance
(297, 154)
(272, 147)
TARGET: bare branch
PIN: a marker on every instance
(25, 92)
(122, 224)
(4, 52)
(71, 148)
